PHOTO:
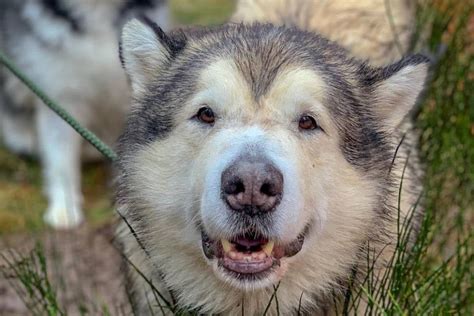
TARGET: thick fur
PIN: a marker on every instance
(69, 48)
(377, 30)
(341, 181)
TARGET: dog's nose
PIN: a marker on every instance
(252, 186)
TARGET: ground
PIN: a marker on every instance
(83, 265)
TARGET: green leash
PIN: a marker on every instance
(84, 132)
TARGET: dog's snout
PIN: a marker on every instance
(253, 187)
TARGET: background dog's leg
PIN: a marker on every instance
(59, 147)
(17, 133)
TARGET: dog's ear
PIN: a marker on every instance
(145, 49)
(395, 89)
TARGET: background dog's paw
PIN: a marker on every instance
(63, 218)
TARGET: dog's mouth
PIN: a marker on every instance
(250, 255)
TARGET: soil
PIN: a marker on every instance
(83, 267)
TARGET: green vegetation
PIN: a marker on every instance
(202, 12)
(447, 115)
(434, 277)
(34, 286)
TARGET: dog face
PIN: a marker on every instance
(251, 150)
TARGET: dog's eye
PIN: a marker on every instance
(206, 115)
(307, 123)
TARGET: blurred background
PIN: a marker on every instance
(86, 273)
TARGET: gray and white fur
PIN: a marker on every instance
(272, 103)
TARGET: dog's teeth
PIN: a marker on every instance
(226, 245)
(258, 256)
(268, 248)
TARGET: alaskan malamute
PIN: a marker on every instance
(262, 156)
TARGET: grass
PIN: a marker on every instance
(435, 276)
(447, 117)
(34, 286)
